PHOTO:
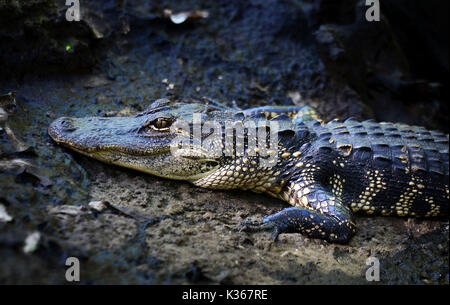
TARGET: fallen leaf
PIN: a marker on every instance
(4, 216)
(98, 206)
(17, 144)
(181, 17)
(31, 242)
(8, 102)
(22, 167)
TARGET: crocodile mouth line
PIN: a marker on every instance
(91, 151)
(117, 156)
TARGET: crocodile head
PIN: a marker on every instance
(145, 142)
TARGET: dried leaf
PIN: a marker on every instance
(3, 115)
(17, 144)
(21, 167)
(181, 17)
(4, 216)
(96, 81)
(8, 103)
(71, 210)
(31, 242)
(98, 206)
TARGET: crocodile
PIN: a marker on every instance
(326, 171)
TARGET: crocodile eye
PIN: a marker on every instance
(161, 124)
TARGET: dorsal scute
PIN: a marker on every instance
(281, 118)
(258, 116)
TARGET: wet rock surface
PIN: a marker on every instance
(155, 231)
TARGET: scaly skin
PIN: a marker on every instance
(325, 171)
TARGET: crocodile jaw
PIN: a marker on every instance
(117, 141)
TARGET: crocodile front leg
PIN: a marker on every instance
(317, 213)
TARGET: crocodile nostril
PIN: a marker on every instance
(66, 124)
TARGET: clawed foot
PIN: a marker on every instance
(258, 226)
(336, 228)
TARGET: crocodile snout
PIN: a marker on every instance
(107, 136)
(61, 127)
